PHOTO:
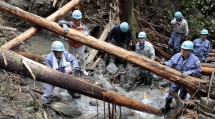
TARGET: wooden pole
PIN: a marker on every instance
(33, 30)
(16, 63)
(190, 83)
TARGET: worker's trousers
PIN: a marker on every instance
(175, 41)
(79, 53)
(175, 87)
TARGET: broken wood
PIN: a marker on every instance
(48, 75)
(33, 30)
(96, 62)
(190, 83)
(7, 28)
(179, 105)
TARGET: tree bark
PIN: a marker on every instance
(126, 10)
(206, 67)
(13, 62)
(212, 54)
(33, 30)
(190, 83)
(212, 50)
(35, 57)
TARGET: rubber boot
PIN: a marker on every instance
(166, 108)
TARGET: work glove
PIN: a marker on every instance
(184, 74)
(77, 71)
(65, 28)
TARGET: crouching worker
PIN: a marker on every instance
(57, 60)
(188, 64)
(146, 49)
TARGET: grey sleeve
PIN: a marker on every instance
(61, 22)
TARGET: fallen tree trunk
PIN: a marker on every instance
(212, 54)
(35, 57)
(193, 85)
(206, 67)
(212, 50)
(207, 70)
(16, 63)
(33, 30)
(211, 59)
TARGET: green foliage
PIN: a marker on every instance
(205, 6)
(197, 13)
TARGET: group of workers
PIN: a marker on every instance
(187, 56)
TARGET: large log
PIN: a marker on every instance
(212, 54)
(213, 50)
(16, 63)
(207, 70)
(33, 30)
(206, 67)
(193, 85)
(35, 57)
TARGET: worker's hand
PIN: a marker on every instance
(184, 74)
(65, 28)
(77, 71)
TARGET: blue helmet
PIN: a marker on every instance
(177, 15)
(77, 14)
(57, 46)
(124, 26)
(187, 45)
(142, 35)
(204, 32)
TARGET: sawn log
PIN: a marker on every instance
(206, 67)
(16, 63)
(190, 83)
